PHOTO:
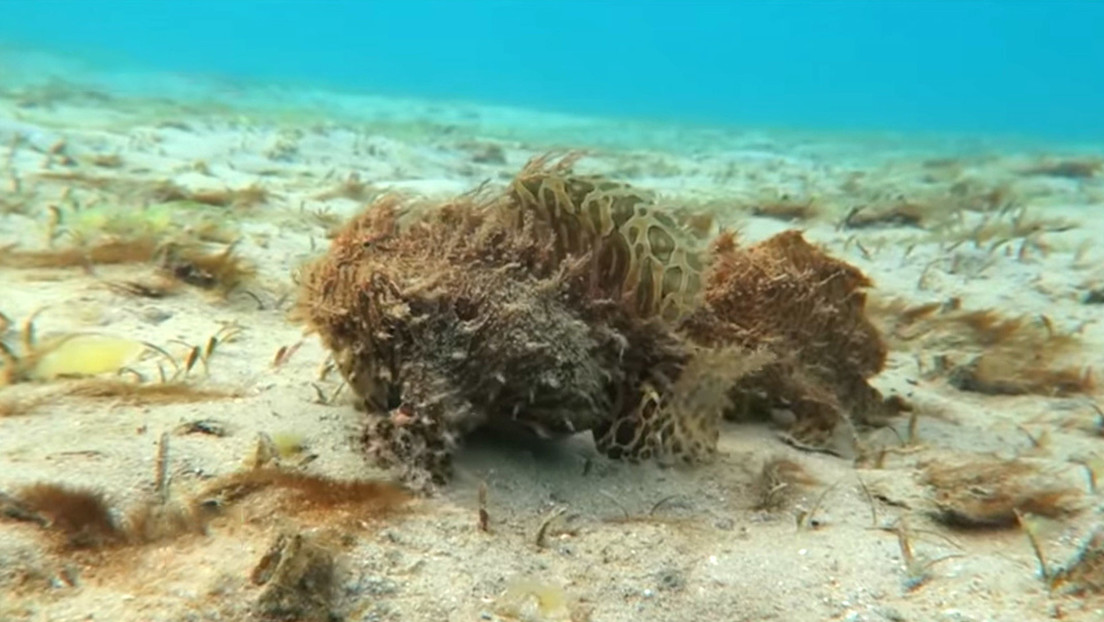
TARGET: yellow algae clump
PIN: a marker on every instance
(528, 599)
(83, 355)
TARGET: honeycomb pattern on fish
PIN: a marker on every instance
(641, 250)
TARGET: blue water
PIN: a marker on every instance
(1018, 67)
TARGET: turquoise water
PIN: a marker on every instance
(1025, 68)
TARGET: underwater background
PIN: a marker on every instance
(1027, 69)
(273, 275)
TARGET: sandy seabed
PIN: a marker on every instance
(1001, 242)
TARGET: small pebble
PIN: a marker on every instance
(671, 580)
(153, 315)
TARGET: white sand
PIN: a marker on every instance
(720, 560)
